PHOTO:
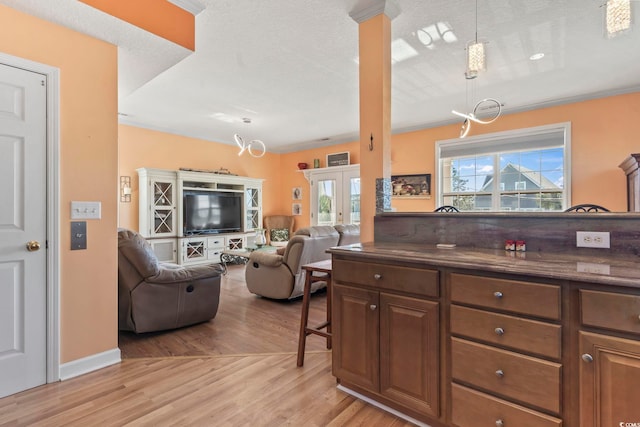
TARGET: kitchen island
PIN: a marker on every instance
(474, 336)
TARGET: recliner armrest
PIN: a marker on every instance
(184, 274)
(266, 259)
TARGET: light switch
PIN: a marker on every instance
(78, 235)
(86, 210)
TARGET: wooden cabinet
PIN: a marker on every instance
(500, 355)
(157, 199)
(609, 365)
(161, 213)
(385, 342)
(630, 166)
(165, 249)
(463, 348)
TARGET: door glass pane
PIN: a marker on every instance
(327, 202)
(354, 205)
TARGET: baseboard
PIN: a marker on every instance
(89, 364)
(381, 406)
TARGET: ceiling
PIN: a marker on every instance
(291, 66)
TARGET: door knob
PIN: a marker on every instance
(33, 246)
(372, 307)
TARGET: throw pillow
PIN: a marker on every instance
(279, 234)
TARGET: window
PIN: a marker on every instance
(522, 170)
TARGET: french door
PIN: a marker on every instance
(335, 195)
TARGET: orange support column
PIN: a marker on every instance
(375, 112)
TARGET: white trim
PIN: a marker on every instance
(53, 206)
(388, 7)
(89, 364)
(381, 406)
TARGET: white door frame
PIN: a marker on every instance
(53, 206)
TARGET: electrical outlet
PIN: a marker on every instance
(593, 239)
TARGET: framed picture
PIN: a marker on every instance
(296, 193)
(296, 209)
(411, 186)
(338, 159)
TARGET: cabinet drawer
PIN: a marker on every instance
(508, 374)
(472, 408)
(215, 242)
(404, 279)
(610, 310)
(510, 295)
(527, 335)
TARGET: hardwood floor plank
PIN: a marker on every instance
(237, 370)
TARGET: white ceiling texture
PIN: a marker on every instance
(291, 65)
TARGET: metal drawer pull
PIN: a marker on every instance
(499, 423)
(499, 331)
(377, 276)
(372, 307)
(497, 294)
(587, 358)
(500, 373)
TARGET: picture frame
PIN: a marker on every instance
(338, 159)
(417, 186)
(296, 209)
(296, 193)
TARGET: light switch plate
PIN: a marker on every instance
(86, 210)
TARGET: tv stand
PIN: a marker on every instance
(161, 214)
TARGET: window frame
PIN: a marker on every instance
(498, 142)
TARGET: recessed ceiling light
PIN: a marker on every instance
(536, 56)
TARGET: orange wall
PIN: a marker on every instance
(292, 177)
(151, 149)
(601, 139)
(602, 135)
(88, 171)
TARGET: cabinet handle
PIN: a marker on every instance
(377, 276)
(499, 423)
(372, 307)
(587, 358)
(500, 373)
(497, 294)
(499, 331)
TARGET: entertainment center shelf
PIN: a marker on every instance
(190, 217)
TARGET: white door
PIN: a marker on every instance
(23, 289)
(335, 197)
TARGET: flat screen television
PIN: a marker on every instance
(211, 212)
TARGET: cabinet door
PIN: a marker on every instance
(355, 336)
(163, 208)
(409, 352)
(609, 379)
(253, 208)
(165, 249)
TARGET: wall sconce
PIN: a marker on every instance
(125, 189)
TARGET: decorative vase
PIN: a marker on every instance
(261, 238)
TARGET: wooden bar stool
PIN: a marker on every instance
(324, 268)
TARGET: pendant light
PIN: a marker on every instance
(475, 54)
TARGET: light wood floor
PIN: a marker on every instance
(237, 370)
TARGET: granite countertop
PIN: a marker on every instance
(600, 268)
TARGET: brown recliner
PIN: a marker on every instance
(281, 276)
(155, 296)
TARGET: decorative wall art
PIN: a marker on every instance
(296, 193)
(296, 209)
(338, 159)
(411, 186)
